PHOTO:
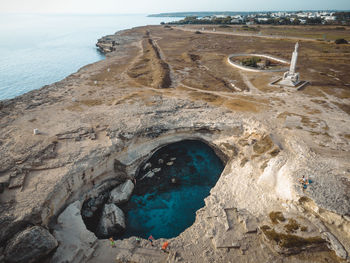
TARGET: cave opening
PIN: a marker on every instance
(170, 187)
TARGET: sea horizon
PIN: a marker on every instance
(39, 49)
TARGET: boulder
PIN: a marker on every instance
(156, 170)
(112, 221)
(76, 242)
(121, 193)
(30, 245)
(335, 245)
(150, 174)
(92, 204)
(147, 166)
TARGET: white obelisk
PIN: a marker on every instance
(290, 78)
(293, 63)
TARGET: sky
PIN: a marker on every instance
(159, 6)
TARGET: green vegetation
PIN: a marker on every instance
(247, 28)
(341, 41)
(288, 240)
(263, 145)
(276, 217)
(250, 62)
(292, 226)
(303, 228)
(194, 20)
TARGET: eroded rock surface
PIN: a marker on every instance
(112, 221)
(30, 245)
(76, 242)
(121, 193)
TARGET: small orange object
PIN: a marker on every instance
(165, 245)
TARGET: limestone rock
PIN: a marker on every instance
(156, 170)
(249, 222)
(30, 245)
(336, 245)
(121, 193)
(150, 174)
(76, 242)
(93, 204)
(147, 166)
(112, 221)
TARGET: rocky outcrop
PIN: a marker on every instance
(122, 193)
(92, 204)
(335, 245)
(30, 245)
(288, 235)
(111, 43)
(107, 43)
(76, 242)
(112, 221)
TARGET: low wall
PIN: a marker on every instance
(257, 70)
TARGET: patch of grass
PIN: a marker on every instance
(263, 145)
(303, 228)
(290, 241)
(275, 152)
(224, 26)
(344, 107)
(243, 142)
(244, 161)
(229, 147)
(304, 199)
(150, 69)
(277, 217)
(264, 165)
(292, 226)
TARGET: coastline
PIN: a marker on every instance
(103, 121)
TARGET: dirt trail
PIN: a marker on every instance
(247, 34)
(104, 252)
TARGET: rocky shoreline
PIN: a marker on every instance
(161, 85)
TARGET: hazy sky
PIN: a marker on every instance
(157, 6)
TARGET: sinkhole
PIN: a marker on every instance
(170, 187)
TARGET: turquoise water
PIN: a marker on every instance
(37, 50)
(162, 208)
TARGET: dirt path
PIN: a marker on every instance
(247, 34)
(105, 253)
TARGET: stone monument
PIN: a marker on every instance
(290, 78)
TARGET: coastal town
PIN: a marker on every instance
(277, 18)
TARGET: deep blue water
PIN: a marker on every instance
(164, 209)
(37, 50)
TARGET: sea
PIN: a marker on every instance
(40, 49)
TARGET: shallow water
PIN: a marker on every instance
(162, 208)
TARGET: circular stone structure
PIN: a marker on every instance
(251, 69)
(171, 187)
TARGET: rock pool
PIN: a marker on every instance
(165, 200)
